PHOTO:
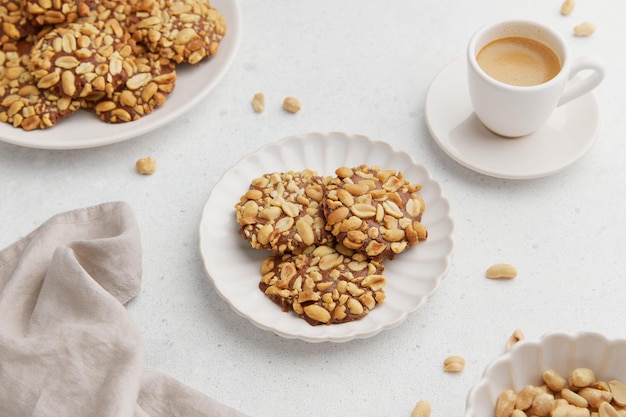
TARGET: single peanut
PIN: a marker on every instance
(258, 102)
(146, 166)
(454, 363)
(292, 104)
(553, 380)
(619, 392)
(568, 7)
(422, 409)
(501, 271)
(584, 29)
(517, 336)
(582, 377)
(506, 403)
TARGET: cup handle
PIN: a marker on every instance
(578, 87)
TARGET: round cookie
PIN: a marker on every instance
(324, 284)
(83, 57)
(14, 25)
(22, 103)
(181, 30)
(282, 212)
(375, 212)
(147, 88)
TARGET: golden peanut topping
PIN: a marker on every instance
(374, 211)
(22, 103)
(324, 284)
(282, 212)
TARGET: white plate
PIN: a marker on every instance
(565, 137)
(234, 267)
(84, 130)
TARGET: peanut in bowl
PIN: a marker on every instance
(560, 374)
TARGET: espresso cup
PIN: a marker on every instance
(525, 71)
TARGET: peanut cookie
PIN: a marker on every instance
(22, 103)
(14, 25)
(324, 284)
(375, 212)
(154, 78)
(181, 30)
(51, 12)
(83, 57)
(282, 212)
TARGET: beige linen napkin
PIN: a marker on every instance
(68, 347)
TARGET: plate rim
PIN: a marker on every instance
(459, 61)
(348, 335)
(45, 138)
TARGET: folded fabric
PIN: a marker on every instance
(68, 347)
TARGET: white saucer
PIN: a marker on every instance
(565, 137)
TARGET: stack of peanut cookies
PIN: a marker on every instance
(114, 58)
(329, 236)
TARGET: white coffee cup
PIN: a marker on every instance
(511, 110)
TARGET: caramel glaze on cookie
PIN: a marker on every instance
(324, 284)
(373, 211)
(282, 212)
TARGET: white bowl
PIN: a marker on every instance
(527, 360)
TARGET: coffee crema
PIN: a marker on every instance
(519, 61)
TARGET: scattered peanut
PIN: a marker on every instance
(454, 363)
(564, 398)
(585, 29)
(568, 7)
(422, 409)
(146, 166)
(292, 104)
(517, 336)
(501, 271)
(258, 102)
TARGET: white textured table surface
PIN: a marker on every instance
(358, 67)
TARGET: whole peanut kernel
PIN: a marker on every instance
(568, 7)
(517, 336)
(582, 377)
(454, 363)
(501, 271)
(422, 409)
(584, 29)
(146, 166)
(258, 102)
(292, 104)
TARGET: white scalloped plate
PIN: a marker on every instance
(84, 130)
(527, 360)
(234, 267)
